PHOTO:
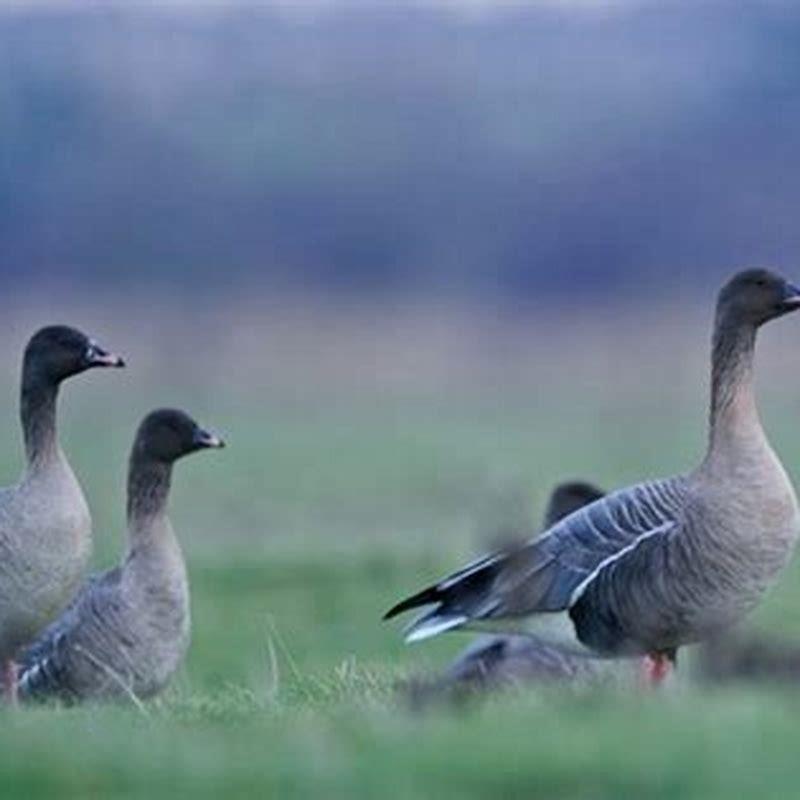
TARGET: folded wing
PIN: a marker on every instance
(547, 573)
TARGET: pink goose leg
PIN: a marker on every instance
(655, 669)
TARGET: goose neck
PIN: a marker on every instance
(38, 403)
(733, 415)
(148, 490)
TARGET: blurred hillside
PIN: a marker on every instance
(547, 148)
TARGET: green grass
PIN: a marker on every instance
(726, 744)
(321, 514)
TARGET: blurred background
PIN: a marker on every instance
(460, 147)
(417, 262)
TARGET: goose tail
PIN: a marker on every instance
(432, 624)
(40, 680)
(456, 601)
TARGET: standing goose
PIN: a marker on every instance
(45, 528)
(662, 563)
(127, 631)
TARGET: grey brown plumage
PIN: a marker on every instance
(127, 630)
(502, 660)
(663, 563)
(45, 527)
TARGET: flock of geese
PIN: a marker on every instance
(122, 633)
(639, 572)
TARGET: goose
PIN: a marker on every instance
(663, 563)
(45, 526)
(127, 630)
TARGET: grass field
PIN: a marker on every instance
(361, 464)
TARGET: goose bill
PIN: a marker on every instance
(97, 356)
(207, 439)
(791, 299)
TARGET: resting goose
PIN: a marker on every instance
(45, 527)
(127, 631)
(663, 563)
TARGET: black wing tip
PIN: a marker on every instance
(392, 612)
(423, 598)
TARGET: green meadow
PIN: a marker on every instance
(368, 454)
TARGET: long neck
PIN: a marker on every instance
(154, 570)
(733, 416)
(148, 489)
(38, 415)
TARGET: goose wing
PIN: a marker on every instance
(43, 665)
(549, 572)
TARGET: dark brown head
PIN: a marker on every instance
(167, 434)
(756, 296)
(58, 352)
(569, 497)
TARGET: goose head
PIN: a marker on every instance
(168, 434)
(755, 296)
(568, 497)
(57, 352)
